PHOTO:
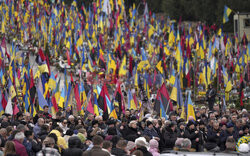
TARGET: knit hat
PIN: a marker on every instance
(141, 141)
(153, 143)
(131, 145)
(229, 125)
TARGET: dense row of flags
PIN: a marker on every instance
(104, 39)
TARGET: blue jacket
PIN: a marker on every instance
(150, 132)
(36, 130)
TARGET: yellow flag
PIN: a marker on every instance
(159, 67)
(123, 70)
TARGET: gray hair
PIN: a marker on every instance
(19, 136)
(186, 143)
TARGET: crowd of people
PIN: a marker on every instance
(121, 65)
(213, 131)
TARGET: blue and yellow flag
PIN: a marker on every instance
(227, 12)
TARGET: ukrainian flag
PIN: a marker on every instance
(227, 12)
(190, 108)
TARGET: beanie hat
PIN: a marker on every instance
(153, 143)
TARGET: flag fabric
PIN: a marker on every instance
(227, 12)
(190, 107)
(102, 102)
(163, 99)
(42, 102)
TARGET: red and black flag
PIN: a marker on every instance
(241, 94)
(119, 98)
(102, 63)
(102, 102)
(162, 101)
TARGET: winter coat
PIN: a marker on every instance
(32, 147)
(223, 138)
(170, 137)
(131, 134)
(190, 134)
(144, 151)
(60, 140)
(20, 149)
(36, 130)
(212, 139)
(154, 151)
(96, 151)
(179, 131)
(118, 151)
(150, 132)
(72, 152)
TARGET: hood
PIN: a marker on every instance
(56, 132)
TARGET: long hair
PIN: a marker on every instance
(9, 148)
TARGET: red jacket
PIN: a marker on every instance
(20, 149)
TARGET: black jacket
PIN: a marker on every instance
(179, 131)
(144, 151)
(118, 151)
(131, 134)
(72, 152)
(190, 134)
(212, 139)
(170, 137)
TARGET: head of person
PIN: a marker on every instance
(191, 125)
(216, 126)
(94, 123)
(40, 114)
(203, 110)
(172, 117)
(172, 126)
(99, 119)
(40, 122)
(133, 124)
(127, 113)
(153, 144)
(46, 109)
(230, 144)
(245, 129)
(150, 124)
(201, 125)
(64, 123)
(178, 142)
(107, 145)
(9, 148)
(71, 118)
(97, 140)
(122, 144)
(186, 143)
(212, 116)
(234, 118)
(239, 123)
(27, 117)
(49, 142)
(21, 128)
(59, 115)
(230, 127)
(137, 153)
(19, 116)
(182, 125)
(19, 137)
(141, 142)
(90, 117)
(74, 142)
(29, 134)
(3, 132)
